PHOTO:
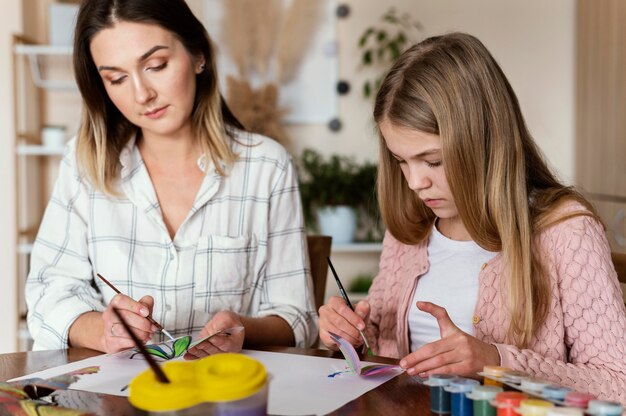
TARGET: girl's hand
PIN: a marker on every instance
(229, 341)
(114, 337)
(455, 353)
(337, 317)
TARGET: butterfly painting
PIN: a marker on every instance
(172, 349)
(354, 362)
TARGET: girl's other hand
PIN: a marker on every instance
(455, 353)
(338, 318)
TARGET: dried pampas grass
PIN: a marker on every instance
(235, 30)
(297, 30)
(264, 29)
(257, 109)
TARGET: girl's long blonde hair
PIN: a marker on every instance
(451, 86)
(103, 130)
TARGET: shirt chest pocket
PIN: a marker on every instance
(224, 273)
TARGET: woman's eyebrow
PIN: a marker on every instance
(141, 58)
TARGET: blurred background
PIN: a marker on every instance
(304, 72)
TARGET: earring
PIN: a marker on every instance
(202, 67)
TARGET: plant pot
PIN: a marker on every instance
(338, 221)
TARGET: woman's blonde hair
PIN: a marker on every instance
(103, 130)
(451, 86)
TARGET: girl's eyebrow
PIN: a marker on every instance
(141, 58)
(418, 155)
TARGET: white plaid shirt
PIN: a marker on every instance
(241, 248)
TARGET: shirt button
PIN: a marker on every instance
(475, 319)
(168, 307)
(171, 257)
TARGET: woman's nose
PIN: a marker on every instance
(143, 92)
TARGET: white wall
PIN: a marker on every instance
(10, 19)
(533, 40)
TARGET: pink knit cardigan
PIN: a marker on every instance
(582, 343)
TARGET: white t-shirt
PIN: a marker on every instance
(451, 282)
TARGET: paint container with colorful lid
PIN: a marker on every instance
(460, 404)
(554, 392)
(534, 385)
(514, 377)
(577, 399)
(226, 384)
(482, 397)
(604, 408)
(533, 407)
(507, 401)
(491, 372)
(439, 397)
(565, 411)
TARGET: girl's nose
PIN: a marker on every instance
(417, 180)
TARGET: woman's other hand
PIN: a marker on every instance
(229, 341)
(135, 313)
(338, 318)
(455, 353)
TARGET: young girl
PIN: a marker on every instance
(488, 259)
(195, 221)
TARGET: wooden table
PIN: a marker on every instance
(399, 396)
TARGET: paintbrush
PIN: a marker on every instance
(160, 375)
(344, 295)
(147, 317)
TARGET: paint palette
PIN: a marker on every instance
(354, 362)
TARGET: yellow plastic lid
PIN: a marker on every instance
(533, 407)
(494, 370)
(217, 378)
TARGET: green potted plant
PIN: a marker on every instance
(336, 191)
(382, 44)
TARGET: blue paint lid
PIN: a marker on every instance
(555, 392)
(461, 385)
(439, 380)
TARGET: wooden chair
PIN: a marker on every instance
(319, 249)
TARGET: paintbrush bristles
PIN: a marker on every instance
(158, 372)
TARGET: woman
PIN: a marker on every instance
(195, 221)
(488, 259)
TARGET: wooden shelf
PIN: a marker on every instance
(357, 248)
(34, 52)
(38, 150)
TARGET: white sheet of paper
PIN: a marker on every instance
(297, 382)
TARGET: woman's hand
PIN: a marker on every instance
(455, 353)
(115, 338)
(338, 318)
(229, 341)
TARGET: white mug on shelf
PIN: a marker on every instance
(53, 136)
